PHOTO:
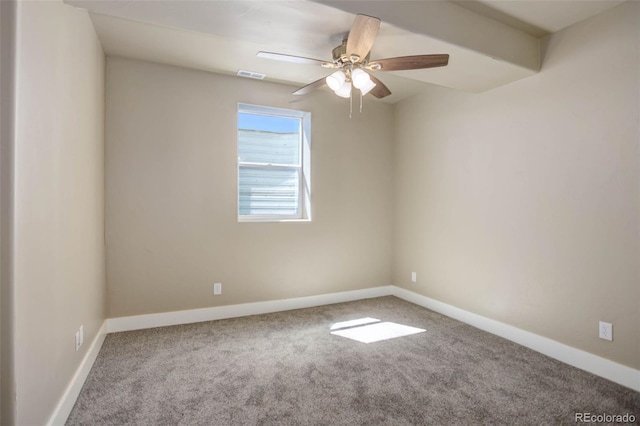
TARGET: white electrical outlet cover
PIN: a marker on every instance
(414, 277)
(81, 334)
(606, 331)
(217, 288)
(77, 340)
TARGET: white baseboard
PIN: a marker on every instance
(70, 395)
(139, 322)
(618, 373)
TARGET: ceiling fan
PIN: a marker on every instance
(351, 59)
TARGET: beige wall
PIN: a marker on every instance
(522, 204)
(7, 114)
(171, 195)
(59, 209)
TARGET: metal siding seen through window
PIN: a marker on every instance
(269, 166)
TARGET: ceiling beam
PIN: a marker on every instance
(450, 23)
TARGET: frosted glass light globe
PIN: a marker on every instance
(359, 78)
(367, 87)
(335, 80)
(345, 90)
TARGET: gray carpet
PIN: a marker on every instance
(286, 368)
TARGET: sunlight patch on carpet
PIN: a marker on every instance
(377, 332)
(353, 323)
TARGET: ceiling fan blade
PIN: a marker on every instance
(310, 87)
(409, 62)
(380, 91)
(362, 35)
(291, 58)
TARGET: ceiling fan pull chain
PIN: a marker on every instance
(350, 104)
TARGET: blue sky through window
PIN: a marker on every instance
(268, 123)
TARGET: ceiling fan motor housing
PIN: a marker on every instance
(340, 55)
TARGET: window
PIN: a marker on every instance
(273, 164)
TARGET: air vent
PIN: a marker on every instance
(251, 74)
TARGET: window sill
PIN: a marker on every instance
(272, 220)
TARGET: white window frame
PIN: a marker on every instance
(303, 167)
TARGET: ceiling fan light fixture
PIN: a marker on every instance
(367, 87)
(359, 78)
(336, 80)
(344, 91)
(352, 61)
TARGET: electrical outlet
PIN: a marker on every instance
(606, 331)
(414, 277)
(79, 337)
(217, 288)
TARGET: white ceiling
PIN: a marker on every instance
(490, 43)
